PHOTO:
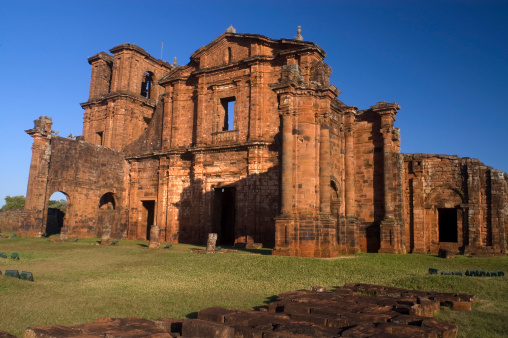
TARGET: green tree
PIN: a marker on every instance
(14, 203)
(61, 204)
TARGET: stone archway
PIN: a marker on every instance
(107, 217)
(56, 208)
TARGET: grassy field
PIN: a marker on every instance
(78, 282)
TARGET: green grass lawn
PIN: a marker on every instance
(78, 282)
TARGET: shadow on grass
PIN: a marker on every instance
(192, 315)
(264, 252)
(143, 245)
(267, 301)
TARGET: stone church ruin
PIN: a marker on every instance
(249, 141)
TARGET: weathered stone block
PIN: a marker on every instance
(201, 328)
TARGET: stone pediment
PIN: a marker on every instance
(233, 47)
(180, 72)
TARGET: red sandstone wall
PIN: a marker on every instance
(116, 107)
(9, 220)
(477, 192)
(84, 173)
(369, 180)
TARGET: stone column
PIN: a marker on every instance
(39, 165)
(324, 166)
(474, 201)
(390, 232)
(162, 194)
(349, 131)
(348, 226)
(498, 207)
(287, 163)
(199, 138)
(167, 119)
(387, 119)
(34, 221)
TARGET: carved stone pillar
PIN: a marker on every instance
(287, 164)
(199, 137)
(387, 119)
(33, 222)
(349, 132)
(324, 166)
(348, 226)
(390, 232)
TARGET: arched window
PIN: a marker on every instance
(107, 202)
(146, 85)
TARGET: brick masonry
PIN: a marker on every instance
(9, 220)
(249, 141)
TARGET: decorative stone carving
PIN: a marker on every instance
(320, 73)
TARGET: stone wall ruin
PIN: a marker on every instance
(249, 141)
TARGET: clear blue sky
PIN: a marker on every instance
(444, 62)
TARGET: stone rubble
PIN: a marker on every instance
(354, 310)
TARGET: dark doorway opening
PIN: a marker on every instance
(150, 215)
(55, 221)
(447, 224)
(57, 207)
(224, 215)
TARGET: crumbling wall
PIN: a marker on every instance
(84, 173)
(472, 194)
(289, 166)
(9, 220)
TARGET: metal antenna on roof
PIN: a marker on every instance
(162, 46)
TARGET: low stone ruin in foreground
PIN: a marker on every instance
(355, 310)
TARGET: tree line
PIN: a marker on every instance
(18, 203)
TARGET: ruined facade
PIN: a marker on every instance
(249, 141)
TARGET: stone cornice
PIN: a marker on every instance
(385, 108)
(116, 95)
(201, 149)
(100, 56)
(239, 63)
(133, 47)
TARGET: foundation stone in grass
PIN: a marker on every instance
(211, 242)
(154, 237)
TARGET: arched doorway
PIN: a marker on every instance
(107, 215)
(55, 216)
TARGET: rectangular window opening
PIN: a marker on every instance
(228, 104)
(100, 138)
